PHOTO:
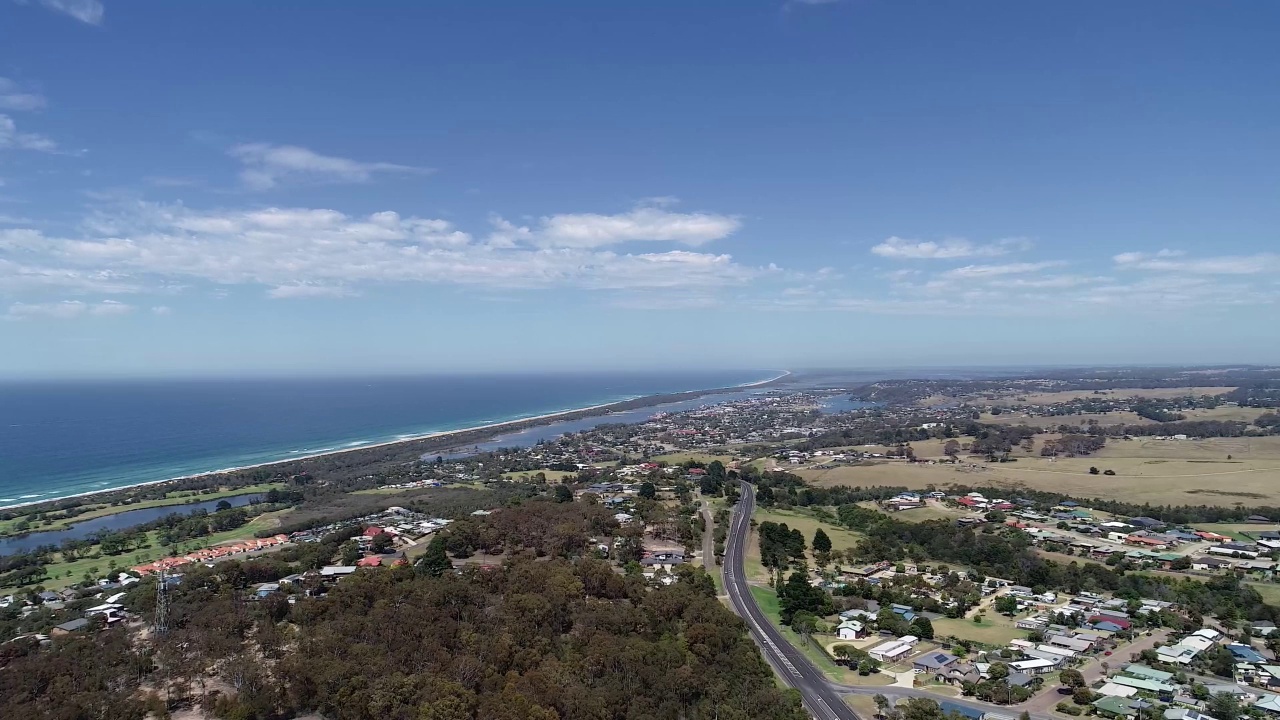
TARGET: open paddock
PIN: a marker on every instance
(678, 458)
(841, 538)
(1120, 417)
(1195, 472)
(995, 629)
(1048, 398)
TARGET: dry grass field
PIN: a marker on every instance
(1046, 398)
(1052, 421)
(1226, 412)
(995, 629)
(1158, 471)
(841, 538)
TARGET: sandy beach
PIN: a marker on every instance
(491, 429)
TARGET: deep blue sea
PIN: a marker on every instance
(59, 439)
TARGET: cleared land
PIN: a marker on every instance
(551, 475)
(682, 457)
(1270, 593)
(1048, 398)
(994, 629)
(841, 538)
(1120, 417)
(1242, 531)
(1158, 471)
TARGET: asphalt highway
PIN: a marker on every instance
(820, 699)
(822, 696)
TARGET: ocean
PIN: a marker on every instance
(65, 438)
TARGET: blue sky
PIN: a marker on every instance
(338, 186)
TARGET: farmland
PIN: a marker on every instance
(1210, 471)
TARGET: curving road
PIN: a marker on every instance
(823, 697)
(820, 698)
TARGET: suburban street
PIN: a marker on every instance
(820, 697)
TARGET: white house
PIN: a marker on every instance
(851, 630)
(890, 651)
(1035, 666)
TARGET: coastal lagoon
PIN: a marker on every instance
(67, 438)
(118, 521)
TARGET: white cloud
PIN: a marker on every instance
(897, 248)
(589, 230)
(11, 138)
(161, 310)
(309, 252)
(90, 12)
(66, 310)
(1170, 261)
(266, 166)
(14, 98)
(987, 271)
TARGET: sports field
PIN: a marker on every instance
(1214, 471)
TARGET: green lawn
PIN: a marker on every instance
(993, 630)
(1235, 530)
(1270, 592)
(677, 458)
(62, 573)
(553, 476)
(929, 512)
(174, 498)
(807, 524)
(767, 599)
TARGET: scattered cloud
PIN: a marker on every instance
(66, 310)
(987, 271)
(267, 166)
(161, 310)
(897, 248)
(1176, 261)
(310, 252)
(589, 230)
(11, 138)
(90, 12)
(647, 257)
(13, 97)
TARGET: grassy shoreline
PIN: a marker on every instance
(176, 499)
(62, 573)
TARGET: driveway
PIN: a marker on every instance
(1092, 671)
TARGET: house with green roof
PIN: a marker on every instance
(1147, 673)
(1145, 685)
(1114, 707)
